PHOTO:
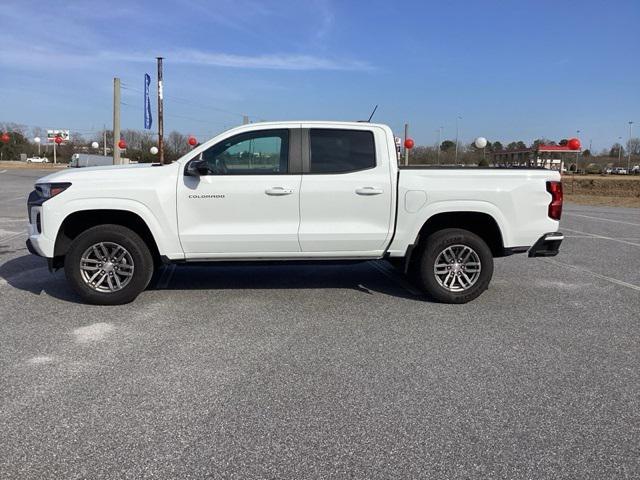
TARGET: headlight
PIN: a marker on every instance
(48, 190)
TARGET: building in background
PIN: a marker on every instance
(552, 157)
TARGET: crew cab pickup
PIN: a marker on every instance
(287, 191)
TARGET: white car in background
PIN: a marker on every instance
(37, 160)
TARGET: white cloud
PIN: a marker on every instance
(270, 61)
(29, 55)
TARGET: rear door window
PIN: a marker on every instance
(341, 151)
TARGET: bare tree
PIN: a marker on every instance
(177, 144)
(633, 146)
(14, 127)
(76, 138)
(39, 132)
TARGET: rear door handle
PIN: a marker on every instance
(369, 191)
(278, 191)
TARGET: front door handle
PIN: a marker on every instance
(369, 191)
(278, 191)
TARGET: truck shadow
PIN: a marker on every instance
(29, 273)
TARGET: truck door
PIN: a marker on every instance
(345, 197)
(246, 201)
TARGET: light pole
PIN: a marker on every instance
(458, 118)
(629, 148)
(37, 140)
(619, 149)
(439, 143)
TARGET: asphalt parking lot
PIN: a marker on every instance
(326, 371)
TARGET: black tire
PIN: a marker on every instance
(131, 241)
(439, 241)
(157, 274)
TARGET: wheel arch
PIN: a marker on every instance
(481, 223)
(77, 222)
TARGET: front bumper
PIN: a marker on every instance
(39, 243)
(32, 249)
(547, 245)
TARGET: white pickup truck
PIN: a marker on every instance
(284, 191)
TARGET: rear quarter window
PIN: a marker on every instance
(341, 151)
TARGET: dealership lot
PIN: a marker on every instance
(343, 371)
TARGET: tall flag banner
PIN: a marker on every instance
(147, 103)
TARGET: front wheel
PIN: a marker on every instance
(108, 265)
(456, 266)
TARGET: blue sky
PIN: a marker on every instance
(512, 69)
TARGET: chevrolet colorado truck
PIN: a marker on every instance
(290, 191)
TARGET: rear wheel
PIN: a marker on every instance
(456, 266)
(108, 265)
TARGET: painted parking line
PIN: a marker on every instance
(602, 219)
(12, 220)
(11, 237)
(593, 274)
(595, 235)
(596, 238)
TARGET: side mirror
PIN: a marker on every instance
(196, 168)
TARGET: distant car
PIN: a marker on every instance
(635, 170)
(620, 171)
(608, 170)
(37, 160)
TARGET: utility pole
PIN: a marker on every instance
(160, 113)
(458, 118)
(116, 121)
(104, 139)
(406, 150)
(439, 143)
(577, 153)
(629, 148)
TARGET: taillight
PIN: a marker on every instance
(555, 207)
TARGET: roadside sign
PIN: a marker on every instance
(52, 134)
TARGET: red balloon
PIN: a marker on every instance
(409, 143)
(5, 138)
(58, 140)
(574, 144)
(122, 144)
(192, 141)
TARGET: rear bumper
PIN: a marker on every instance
(547, 245)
